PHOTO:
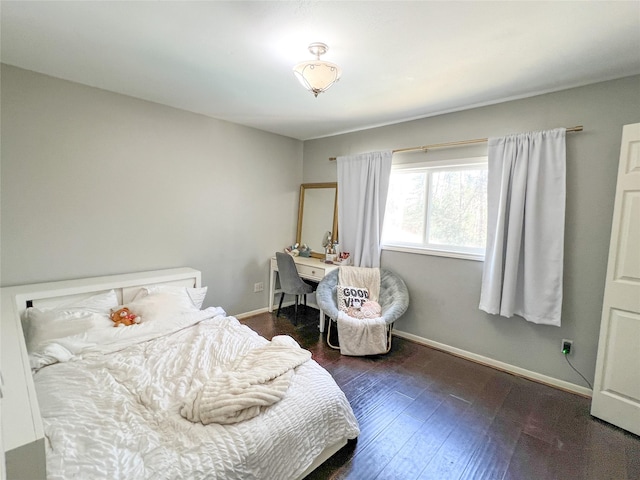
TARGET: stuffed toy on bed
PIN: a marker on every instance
(123, 317)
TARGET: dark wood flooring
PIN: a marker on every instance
(426, 414)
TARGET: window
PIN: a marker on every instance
(438, 208)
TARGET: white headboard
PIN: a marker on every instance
(126, 287)
(21, 422)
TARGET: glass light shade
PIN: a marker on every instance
(316, 75)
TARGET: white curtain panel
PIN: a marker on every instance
(525, 238)
(363, 184)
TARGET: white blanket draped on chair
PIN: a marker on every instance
(368, 278)
(361, 336)
(366, 336)
(525, 238)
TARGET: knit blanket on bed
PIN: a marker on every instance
(242, 389)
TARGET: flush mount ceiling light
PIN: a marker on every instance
(317, 75)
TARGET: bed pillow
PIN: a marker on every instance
(190, 298)
(158, 306)
(99, 303)
(43, 326)
(351, 297)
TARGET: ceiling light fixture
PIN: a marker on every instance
(317, 75)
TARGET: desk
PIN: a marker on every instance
(309, 268)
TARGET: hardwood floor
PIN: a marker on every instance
(426, 414)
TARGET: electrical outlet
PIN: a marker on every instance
(566, 346)
(258, 287)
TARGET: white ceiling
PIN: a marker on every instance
(233, 60)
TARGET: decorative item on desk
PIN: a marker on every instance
(296, 250)
(326, 239)
(292, 250)
(329, 255)
(343, 259)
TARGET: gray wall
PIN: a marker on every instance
(95, 183)
(445, 291)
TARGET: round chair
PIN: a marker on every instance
(394, 299)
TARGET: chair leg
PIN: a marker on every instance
(329, 335)
(389, 330)
(295, 313)
(280, 304)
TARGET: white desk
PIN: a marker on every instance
(309, 268)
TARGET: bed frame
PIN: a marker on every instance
(22, 430)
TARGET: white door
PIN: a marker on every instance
(3, 471)
(616, 392)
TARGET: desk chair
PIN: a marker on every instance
(291, 283)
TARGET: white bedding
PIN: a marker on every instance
(112, 410)
(247, 386)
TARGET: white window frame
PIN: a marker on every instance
(431, 250)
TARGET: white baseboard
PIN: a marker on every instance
(474, 357)
(251, 313)
(275, 309)
(521, 372)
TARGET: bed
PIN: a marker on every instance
(119, 402)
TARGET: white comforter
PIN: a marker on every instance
(114, 412)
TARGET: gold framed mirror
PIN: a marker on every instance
(317, 214)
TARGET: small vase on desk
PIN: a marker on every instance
(330, 254)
